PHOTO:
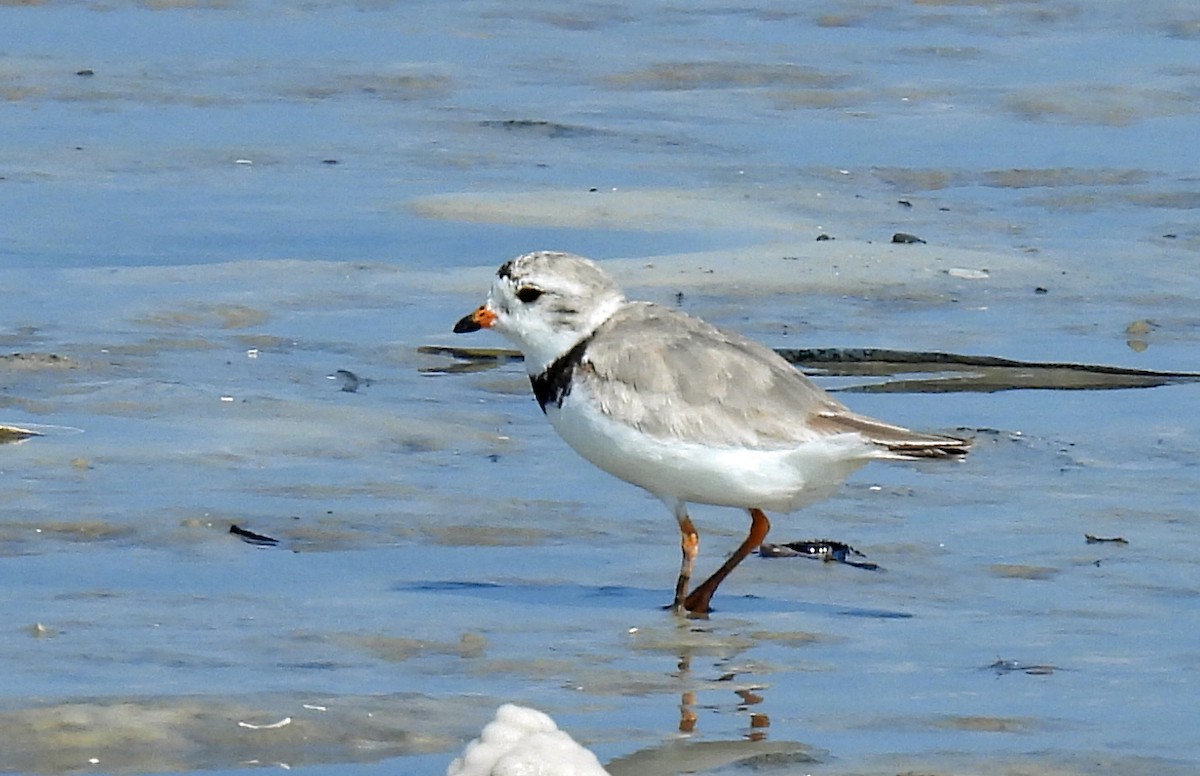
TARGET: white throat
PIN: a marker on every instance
(543, 345)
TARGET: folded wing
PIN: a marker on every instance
(674, 376)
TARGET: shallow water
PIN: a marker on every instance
(243, 198)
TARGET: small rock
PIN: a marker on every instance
(904, 238)
(39, 631)
(963, 273)
(350, 382)
(16, 434)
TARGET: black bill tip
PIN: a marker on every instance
(467, 324)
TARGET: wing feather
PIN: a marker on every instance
(672, 375)
(675, 376)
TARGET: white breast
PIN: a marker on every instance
(776, 480)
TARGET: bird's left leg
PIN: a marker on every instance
(689, 545)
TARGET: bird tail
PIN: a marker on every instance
(901, 443)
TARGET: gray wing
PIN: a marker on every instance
(672, 375)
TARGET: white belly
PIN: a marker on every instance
(776, 480)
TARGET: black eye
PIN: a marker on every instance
(528, 294)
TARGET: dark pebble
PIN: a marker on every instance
(350, 382)
(825, 237)
(904, 238)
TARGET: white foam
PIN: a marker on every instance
(521, 741)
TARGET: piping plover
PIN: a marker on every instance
(690, 412)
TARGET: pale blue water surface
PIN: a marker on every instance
(209, 207)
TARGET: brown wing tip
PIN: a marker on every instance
(902, 442)
(939, 447)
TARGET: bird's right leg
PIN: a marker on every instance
(697, 601)
(689, 545)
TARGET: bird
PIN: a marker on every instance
(691, 413)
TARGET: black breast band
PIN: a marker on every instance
(554, 383)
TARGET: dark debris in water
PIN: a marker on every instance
(932, 372)
(1105, 540)
(954, 372)
(469, 359)
(349, 382)
(820, 549)
(249, 537)
(1002, 667)
(542, 128)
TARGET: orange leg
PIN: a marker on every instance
(697, 601)
(689, 543)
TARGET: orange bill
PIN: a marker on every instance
(482, 318)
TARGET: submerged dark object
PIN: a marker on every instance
(350, 382)
(1105, 540)
(960, 372)
(249, 537)
(1012, 666)
(820, 549)
(914, 371)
